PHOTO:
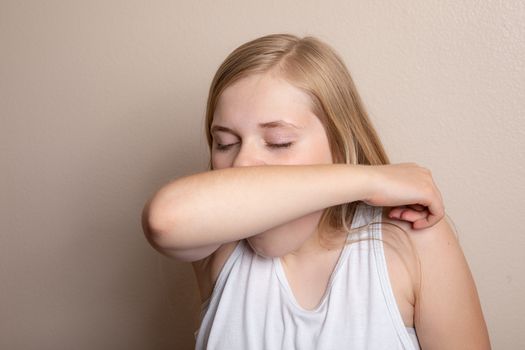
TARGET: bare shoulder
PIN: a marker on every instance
(431, 240)
(207, 270)
(447, 310)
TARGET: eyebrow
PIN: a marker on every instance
(269, 125)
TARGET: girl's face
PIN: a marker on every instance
(260, 120)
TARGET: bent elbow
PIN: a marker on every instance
(157, 227)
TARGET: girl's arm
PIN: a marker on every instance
(198, 213)
(226, 205)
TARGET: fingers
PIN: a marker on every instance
(417, 214)
(436, 213)
(428, 220)
(411, 215)
(425, 222)
(414, 215)
(417, 207)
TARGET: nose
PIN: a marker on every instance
(248, 155)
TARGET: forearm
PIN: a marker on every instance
(230, 204)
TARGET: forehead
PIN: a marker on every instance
(262, 98)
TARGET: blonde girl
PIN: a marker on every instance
(301, 234)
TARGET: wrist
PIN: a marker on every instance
(368, 179)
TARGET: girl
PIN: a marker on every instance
(291, 233)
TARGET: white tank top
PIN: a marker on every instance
(252, 305)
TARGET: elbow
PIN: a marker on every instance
(163, 236)
(158, 229)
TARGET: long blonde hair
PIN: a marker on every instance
(314, 67)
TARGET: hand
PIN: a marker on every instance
(410, 190)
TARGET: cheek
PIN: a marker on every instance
(219, 161)
(322, 150)
(324, 154)
(316, 152)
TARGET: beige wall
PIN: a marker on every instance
(102, 102)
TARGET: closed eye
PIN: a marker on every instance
(279, 145)
(221, 147)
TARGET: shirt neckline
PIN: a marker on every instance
(288, 289)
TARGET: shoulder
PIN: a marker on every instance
(447, 310)
(434, 239)
(429, 245)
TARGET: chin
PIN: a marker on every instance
(266, 247)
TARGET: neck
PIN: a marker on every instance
(317, 246)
